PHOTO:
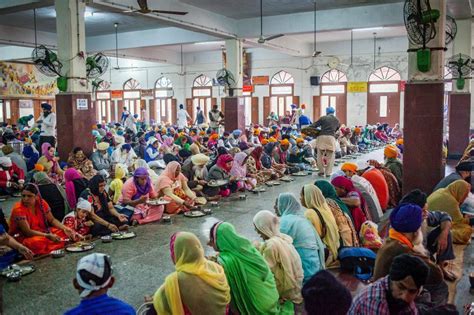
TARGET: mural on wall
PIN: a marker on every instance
(20, 80)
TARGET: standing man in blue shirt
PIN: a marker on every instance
(93, 280)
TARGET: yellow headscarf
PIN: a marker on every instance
(348, 166)
(324, 223)
(188, 255)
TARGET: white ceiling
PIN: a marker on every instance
(98, 22)
(240, 9)
(334, 36)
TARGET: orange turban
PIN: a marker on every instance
(399, 141)
(256, 132)
(348, 166)
(264, 141)
(39, 168)
(285, 142)
(271, 140)
(214, 136)
(299, 140)
(390, 151)
(303, 106)
(357, 131)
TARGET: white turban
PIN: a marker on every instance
(84, 205)
(5, 161)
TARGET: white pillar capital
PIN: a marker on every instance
(71, 43)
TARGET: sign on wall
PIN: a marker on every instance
(260, 80)
(82, 104)
(247, 88)
(116, 94)
(357, 87)
(147, 93)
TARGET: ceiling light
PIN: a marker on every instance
(209, 43)
(368, 29)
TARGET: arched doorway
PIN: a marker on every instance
(383, 102)
(333, 93)
(104, 110)
(282, 88)
(164, 108)
(201, 96)
(132, 97)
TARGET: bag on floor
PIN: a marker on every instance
(357, 260)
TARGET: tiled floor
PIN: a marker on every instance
(141, 264)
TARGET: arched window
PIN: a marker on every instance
(282, 87)
(132, 96)
(202, 81)
(383, 104)
(131, 84)
(202, 95)
(104, 86)
(163, 111)
(282, 77)
(333, 94)
(334, 76)
(385, 74)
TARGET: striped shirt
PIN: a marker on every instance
(103, 305)
(373, 301)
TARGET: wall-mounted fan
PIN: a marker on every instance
(46, 61)
(451, 29)
(96, 65)
(144, 9)
(420, 22)
(460, 67)
(225, 78)
(262, 39)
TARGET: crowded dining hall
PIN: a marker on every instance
(244, 157)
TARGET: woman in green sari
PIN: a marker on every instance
(252, 284)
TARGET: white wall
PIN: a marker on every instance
(392, 53)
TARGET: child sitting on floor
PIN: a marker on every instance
(80, 220)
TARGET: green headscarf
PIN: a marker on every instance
(329, 191)
(252, 284)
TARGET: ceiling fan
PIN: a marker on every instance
(144, 9)
(262, 39)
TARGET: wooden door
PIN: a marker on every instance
(174, 110)
(190, 108)
(316, 107)
(255, 110)
(120, 110)
(266, 108)
(335, 99)
(223, 105)
(14, 111)
(383, 108)
(296, 101)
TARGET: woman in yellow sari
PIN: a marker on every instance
(449, 200)
(198, 286)
(320, 215)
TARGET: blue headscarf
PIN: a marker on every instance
(306, 240)
(330, 110)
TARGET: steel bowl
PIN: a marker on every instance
(207, 211)
(106, 239)
(14, 276)
(214, 204)
(58, 253)
(166, 219)
(242, 197)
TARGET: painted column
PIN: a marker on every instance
(460, 98)
(423, 115)
(75, 111)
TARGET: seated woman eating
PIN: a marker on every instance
(282, 258)
(78, 160)
(115, 187)
(352, 198)
(135, 192)
(255, 168)
(75, 185)
(80, 220)
(239, 171)
(268, 160)
(221, 171)
(321, 217)
(252, 284)
(198, 286)
(34, 226)
(173, 185)
(50, 162)
(103, 207)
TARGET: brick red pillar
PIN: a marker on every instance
(74, 123)
(234, 112)
(459, 123)
(423, 136)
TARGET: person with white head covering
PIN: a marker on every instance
(93, 279)
(153, 156)
(282, 258)
(80, 220)
(124, 154)
(101, 159)
(12, 177)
